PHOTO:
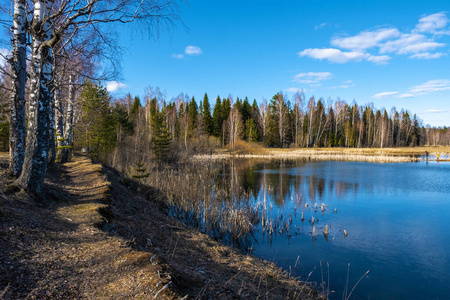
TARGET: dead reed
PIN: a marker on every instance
(194, 197)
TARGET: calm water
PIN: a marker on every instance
(396, 216)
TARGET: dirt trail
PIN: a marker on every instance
(96, 238)
(60, 252)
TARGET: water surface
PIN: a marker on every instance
(396, 216)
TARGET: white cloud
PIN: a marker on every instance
(112, 86)
(333, 55)
(178, 56)
(422, 89)
(436, 111)
(375, 45)
(431, 86)
(312, 78)
(384, 95)
(365, 39)
(379, 59)
(345, 85)
(192, 50)
(295, 90)
(428, 55)
(433, 23)
(410, 44)
(320, 26)
(406, 95)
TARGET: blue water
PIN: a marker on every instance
(396, 216)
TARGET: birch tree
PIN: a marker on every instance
(74, 15)
(18, 73)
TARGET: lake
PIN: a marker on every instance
(395, 215)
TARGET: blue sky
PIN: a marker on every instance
(391, 53)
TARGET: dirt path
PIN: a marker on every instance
(95, 238)
(60, 252)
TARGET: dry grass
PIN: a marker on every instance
(379, 155)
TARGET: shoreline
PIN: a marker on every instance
(377, 155)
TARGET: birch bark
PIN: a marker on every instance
(68, 128)
(19, 75)
(36, 154)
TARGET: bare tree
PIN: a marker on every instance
(235, 126)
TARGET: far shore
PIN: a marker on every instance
(380, 155)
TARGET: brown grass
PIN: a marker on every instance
(381, 155)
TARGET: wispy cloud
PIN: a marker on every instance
(428, 55)
(436, 111)
(178, 56)
(405, 95)
(379, 59)
(384, 95)
(434, 23)
(112, 86)
(428, 87)
(333, 55)
(410, 44)
(295, 90)
(365, 39)
(321, 25)
(192, 50)
(312, 78)
(345, 85)
(431, 87)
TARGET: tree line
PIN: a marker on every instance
(158, 128)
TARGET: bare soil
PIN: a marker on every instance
(97, 235)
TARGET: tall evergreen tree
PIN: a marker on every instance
(206, 115)
(99, 124)
(193, 112)
(217, 117)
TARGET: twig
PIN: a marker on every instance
(162, 289)
(5, 291)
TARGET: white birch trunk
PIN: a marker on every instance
(19, 75)
(68, 128)
(36, 154)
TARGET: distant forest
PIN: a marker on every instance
(161, 128)
(280, 122)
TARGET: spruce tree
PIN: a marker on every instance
(193, 112)
(206, 113)
(140, 171)
(162, 139)
(250, 131)
(217, 118)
